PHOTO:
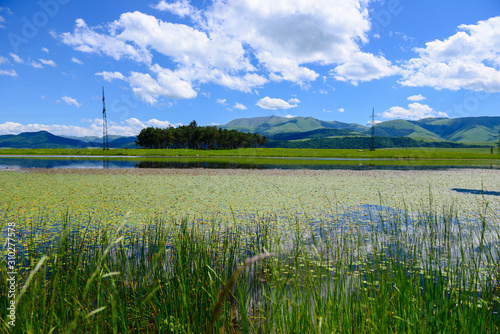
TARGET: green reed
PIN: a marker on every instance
(430, 271)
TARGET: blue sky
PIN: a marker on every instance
(168, 62)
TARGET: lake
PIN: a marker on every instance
(107, 162)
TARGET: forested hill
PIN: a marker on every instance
(289, 132)
(464, 130)
(193, 136)
(44, 139)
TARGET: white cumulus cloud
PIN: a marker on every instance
(87, 40)
(16, 58)
(128, 127)
(416, 98)
(414, 112)
(71, 101)
(10, 73)
(470, 59)
(181, 8)
(108, 76)
(273, 104)
(167, 84)
(49, 62)
(239, 106)
(239, 44)
(2, 18)
(35, 64)
(364, 67)
(76, 61)
(340, 110)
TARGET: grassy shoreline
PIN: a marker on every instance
(413, 153)
(388, 275)
(143, 251)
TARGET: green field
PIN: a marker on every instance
(415, 153)
(129, 251)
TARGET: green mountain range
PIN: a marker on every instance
(287, 130)
(274, 125)
(463, 130)
(44, 139)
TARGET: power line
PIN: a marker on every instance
(372, 146)
(105, 144)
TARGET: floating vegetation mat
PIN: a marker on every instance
(130, 251)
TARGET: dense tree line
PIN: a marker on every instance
(198, 137)
(363, 143)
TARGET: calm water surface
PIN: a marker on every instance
(17, 162)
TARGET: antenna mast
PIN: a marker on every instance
(105, 144)
(372, 146)
(498, 144)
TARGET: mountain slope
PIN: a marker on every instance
(465, 129)
(275, 125)
(40, 139)
(403, 128)
(458, 130)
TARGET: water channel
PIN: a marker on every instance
(109, 162)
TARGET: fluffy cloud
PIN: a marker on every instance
(341, 110)
(470, 59)
(108, 76)
(414, 112)
(128, 127)
(16, 58)
(239, 106)
(76, 61)
(364, 67)
(167, 84)
(35, 64)
(181, 8)
(2, 18)
(71, 101)
(3, 60)
(304, 30)
(87, 40)
(221, 101)
(288, 34)
(273, 104)
(239, 44)
(416, 98)
(45, 50)
(10, 73)
(48, 62)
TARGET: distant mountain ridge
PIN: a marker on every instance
(465, 130)
(45, 139)
(40, 139)
(272, 125)
(458, 130)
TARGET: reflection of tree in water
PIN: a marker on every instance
(109, 163)
(196, 164)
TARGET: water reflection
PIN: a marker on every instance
(225, 163)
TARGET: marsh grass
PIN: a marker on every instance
(394, 153)
(397, 271)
